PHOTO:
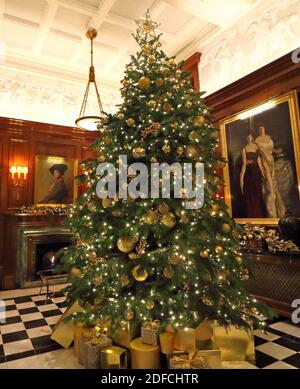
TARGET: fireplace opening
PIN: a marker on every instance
(46, 256)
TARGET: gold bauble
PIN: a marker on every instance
(120, 115)
(159, 82)
(168, 219)
(125, 82)
(151, 103)
(199, 121)
(126, 244)
(75, 272)
(168, 272)
(204, 254)
(98, 281)
(129, 68)
(184, 217)
(146, 48)
(138, 152)
(219, 236)
(150, 304)
(144, 83)
(106, 202)
(133, 256)
(192, 151)
(129, 315)
(193, 135)
(188, 104)
(130, 122)
(167, 107)
(150, 217)
(172, 61)
(180, 150)
(124, 279)
(175, 125)
(139, 274)
(174, 259)
(163, 208)
(239, 259)
(166, 148)
(178, 72)
(219, 249)
(165, 71)
(226, 228)
(151, 58)
(107, 140)
(101, 158)
(153, 159)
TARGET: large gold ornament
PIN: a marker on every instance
(168, 219)
(120, 116)
(139, 274)
(204, 254)
(138, 152)
(172, 61)
(219, 249)
(144, 83)
(130, 122)
(150, 304)
(168, 272)
(192, 151)
(226, 228)
(151, 130)
(107, 140)
(188, 104)
(127, 244)
(76, 272)
(159, 82)
(239, 259)
(199, 121)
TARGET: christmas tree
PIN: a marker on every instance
(153, 257)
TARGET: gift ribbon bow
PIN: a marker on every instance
(187, 361)
(153, 325)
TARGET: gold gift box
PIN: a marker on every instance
(144, 356)
(124, 335)
(235, 344)
(113, 358)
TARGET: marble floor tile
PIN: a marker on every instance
(17, 347)
(8, 328)
(280, 365)
(275, 350)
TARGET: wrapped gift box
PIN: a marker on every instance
(113, 358)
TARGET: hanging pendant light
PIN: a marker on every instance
(90, 123)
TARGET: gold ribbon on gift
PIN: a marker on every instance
(152, 325)
(189, 361)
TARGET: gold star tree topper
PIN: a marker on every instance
(146, 26)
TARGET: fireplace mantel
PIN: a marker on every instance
(13, 222)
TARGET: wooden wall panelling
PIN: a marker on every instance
(192, 65)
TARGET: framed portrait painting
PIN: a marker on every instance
(54, 180)
(261, 145)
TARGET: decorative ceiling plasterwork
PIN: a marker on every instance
(265, 34)
(34, 97)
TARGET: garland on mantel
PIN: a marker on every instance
(267, 239)
(63, 210)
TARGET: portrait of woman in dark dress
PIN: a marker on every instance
(58, 192)
(251, 180)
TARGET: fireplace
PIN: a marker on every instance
(37, 248)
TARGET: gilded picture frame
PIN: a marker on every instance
(54, 180)
(265, 140)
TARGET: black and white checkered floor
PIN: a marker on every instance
(29, 323)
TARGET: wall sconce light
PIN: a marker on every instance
(16, 175)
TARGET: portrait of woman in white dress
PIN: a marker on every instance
(273, 201)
